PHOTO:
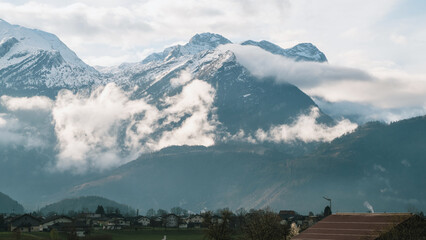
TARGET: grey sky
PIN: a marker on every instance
(357, 33)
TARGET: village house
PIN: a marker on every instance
(25, 223)
(53, 220)
(100, 223)
(195, 221)
(117, 223)
(287, 215)
(79, 228)
(183, 224)
(172, 221)
(143, 221)
(157, 221)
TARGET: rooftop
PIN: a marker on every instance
(353, 226)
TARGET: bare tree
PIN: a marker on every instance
(150, 213)
(178, 211)
(219, 230)
(264, 225)
(413, 228)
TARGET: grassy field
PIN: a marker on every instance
(172, 234)
(157, 234)
(26, 236)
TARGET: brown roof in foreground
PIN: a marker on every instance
(353, 226)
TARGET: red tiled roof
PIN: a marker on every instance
(353, 226)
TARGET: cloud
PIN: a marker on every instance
(196, 100)
(3, 121)
(393, 95)
(364, 112)
(88, 127)
(26, 121)
(302, 74)
(305, 128)
(94, 28)
(26, 103)
(107, 128)
(406, 163)
(15, 132)
(379, 168)
(184, 77)
(398, 39)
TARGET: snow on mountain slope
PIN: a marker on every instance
(36, 61)
(198, 43)
(197, 91)
(244, 102)
(300, 52)
(32, 58)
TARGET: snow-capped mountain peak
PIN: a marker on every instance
(198, 43)
(300, 52)
(33, 40)
(33, 58)
(209, 40)
(306, 52)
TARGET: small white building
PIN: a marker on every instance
(196, 219)
(172, 221)
(144, 221)
(54, 220)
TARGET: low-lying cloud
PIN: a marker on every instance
(302, 74)
(14, 132)
(25, 103)
(195, 100)
(393, 97)
(88, 127)
(107, 128)
(305, 128)
(363, 112)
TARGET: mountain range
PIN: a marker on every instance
(189, 126)
(8, 205)
(378, 163)
(86, 203)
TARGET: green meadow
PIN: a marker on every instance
(146, 234)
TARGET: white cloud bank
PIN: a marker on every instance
(393, 96)
(107, 128)
(2, 121)
(25, 103)
(88, 128)
(196, 100)
(14, 132)
(305, 128)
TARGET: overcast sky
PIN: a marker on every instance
(372, 35)
(384, 38)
